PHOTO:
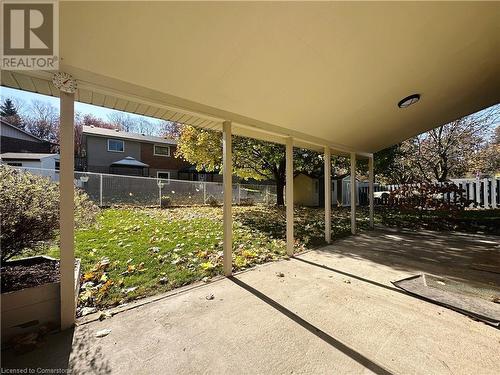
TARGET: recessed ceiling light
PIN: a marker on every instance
(409, 100)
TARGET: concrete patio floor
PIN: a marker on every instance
(334, 312)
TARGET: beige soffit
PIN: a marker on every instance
(324, 72)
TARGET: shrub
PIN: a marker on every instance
(429, 196)
(29, 207)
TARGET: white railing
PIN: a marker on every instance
(111, 189)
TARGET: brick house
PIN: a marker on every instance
(118, 152)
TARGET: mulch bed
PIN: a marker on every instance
(28, 273)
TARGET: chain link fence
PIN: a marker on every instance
(109, 189)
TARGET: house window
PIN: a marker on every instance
(116, 145)
(15, 164)
(161, 150)
(163, 175)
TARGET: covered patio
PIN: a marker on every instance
(322, 76)
(333, 311)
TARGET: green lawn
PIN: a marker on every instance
(131, 253)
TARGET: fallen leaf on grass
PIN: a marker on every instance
(207, 266)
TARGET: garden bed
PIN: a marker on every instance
(29, 273)
(32, 302)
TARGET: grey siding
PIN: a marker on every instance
(13, 132)
(98, 156)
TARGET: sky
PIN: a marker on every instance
(26, 97)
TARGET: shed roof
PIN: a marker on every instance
(129, 161)
(26, 156)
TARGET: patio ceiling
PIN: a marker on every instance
(324, 73)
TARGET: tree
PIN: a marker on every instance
(134, 124)
(392, 165)
(43, 121)
(122, 120)
(488, 159)
(456, 149)
(170, 130)
(10, 114)
(251, 158)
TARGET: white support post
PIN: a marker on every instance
(204, 193)
(66, 210)
(328, 195)
(494, 192)
(478, 192)
(485, 193)
(289, 196)
(353, 193)
(100, 190)
(371, 180)
(227, 180)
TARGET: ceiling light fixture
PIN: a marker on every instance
(409, 100)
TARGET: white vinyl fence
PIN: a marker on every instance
(111, 189)
(483, 193)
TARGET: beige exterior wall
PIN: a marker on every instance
(306, 190)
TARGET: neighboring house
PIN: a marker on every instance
(14, 139)
(40, 164)
(117, 152)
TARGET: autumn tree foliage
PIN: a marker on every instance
(463, 147)
(252, 159)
